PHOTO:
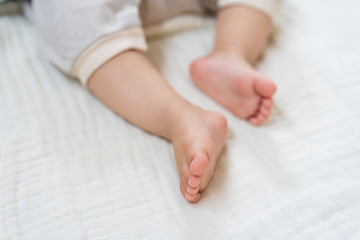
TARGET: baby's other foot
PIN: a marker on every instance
(235, 84)
(197, 144)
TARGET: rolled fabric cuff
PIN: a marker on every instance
(269, 7)
(106, 48)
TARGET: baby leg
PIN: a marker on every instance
(131, 87)
(227, 74)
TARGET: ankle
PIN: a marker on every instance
(232, 56)
(232, 52)
(175, 118)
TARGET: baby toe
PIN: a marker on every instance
(267, 103)
(199, 164)
(190, 197)
(194, 181)
(254, 121)
(192, 190)
(264, 111)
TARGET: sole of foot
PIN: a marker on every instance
(197, 143)
(234, 83)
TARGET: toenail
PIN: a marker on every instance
(192, 190)
(197, 197)
(188, 197)
(191, 183)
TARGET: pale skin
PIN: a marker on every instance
(145, 99)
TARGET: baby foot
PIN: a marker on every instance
(197, 143)
(235, 84)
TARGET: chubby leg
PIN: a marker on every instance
(131, 87)
(227, 74)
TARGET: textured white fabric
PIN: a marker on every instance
(72, 169)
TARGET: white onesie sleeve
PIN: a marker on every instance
(80, 36)
(269, 7)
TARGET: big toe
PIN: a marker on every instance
(199, 164)
(265, 87)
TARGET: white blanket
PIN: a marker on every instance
(72, 169)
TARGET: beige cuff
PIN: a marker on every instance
(269, 7)
(175, 24)
(106, 48)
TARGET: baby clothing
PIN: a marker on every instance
(79, 36)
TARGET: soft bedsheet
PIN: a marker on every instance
(71, 169)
